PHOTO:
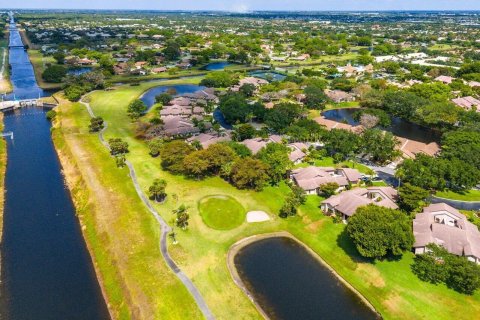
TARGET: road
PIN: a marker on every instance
(164, 228)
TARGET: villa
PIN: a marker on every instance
(445, 226)
(338, 96)
(310, 179)
(467, 103)
(207, 139)
(346, 203)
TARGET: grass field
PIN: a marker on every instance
(470, 195)
(39, 63)
(221, 212)
(5, 84)
(388, 284)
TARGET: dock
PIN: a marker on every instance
(17, 104)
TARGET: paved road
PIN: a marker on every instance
(164, 227)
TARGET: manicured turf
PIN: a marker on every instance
(221, 212)
(470, 195)
(389, 285)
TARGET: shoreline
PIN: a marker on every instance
(74, 184)
(239, 245)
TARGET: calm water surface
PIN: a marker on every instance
(290, 284)
(46, 270)
(399, 127)
(176, 90)
(217, 66)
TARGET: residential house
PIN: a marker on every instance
(445, 79)
(338, 96)
(445, 226)
(310, 179)
(207, 139)
(346, 203)
(468, 103)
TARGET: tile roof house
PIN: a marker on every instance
(467, 103)
(297, 154)
(310, 179)
(207, 139)
(445, 226)
(339, 96)
(445, 79)
(346, 203)
(178, 126)
(255, 144)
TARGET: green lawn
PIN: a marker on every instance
(201, 253)
(471, 195)
(329, 162)
(39, 63)
(221, 212)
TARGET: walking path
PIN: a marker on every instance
(164, 227)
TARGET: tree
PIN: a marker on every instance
(157, 190)
(172, 50)
(442, 115)
(329, 189)
(163, 98)
(196, 164)
(380, 145)
(173, 153)
(54, 74)
(154, 146)
(249, 173)
(59, 57)
(136, 108)
(377, 231)
(182, 218)
(245, 131)
(293, 200)
(117, 146)
(219, 155)
(275, 156)
(315, 98)
(424, 171)
(437, 265)
(219, 79)
(342, 143)
(306, 130)
(282, 116)
(247, 90)
(234, 108)
(96, 124)
(412, 198)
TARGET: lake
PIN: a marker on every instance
(78, 71)
(399, 127)
(268, 75)
(216, 66)
(290, 284)
(176, 90)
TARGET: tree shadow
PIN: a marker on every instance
(346, 244)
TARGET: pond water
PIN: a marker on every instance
(268, 75)
(149, 96)
(46, 269)
(217, 66)
(79, 71)
(290, 284)
(399, 127)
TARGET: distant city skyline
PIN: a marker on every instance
(248, 5)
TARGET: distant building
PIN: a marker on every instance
(468, 103)
(310, 179)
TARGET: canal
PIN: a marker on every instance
(289, 283)
(46, 269)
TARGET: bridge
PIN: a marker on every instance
(16, 104)
(16, 46)
(7, 134)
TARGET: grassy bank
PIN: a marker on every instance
(470, 195)
(39, 63)
(390, 286)
(122, 237)
(3, 168)
(5, 84)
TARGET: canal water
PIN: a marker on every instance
(46, 269)
(399, 127)
(290, 284)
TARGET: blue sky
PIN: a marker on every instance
(246, 5)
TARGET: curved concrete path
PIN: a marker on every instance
(164, 227)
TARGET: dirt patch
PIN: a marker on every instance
(371, 275)
(393, 303)
(315, 226)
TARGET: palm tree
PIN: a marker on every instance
(182, 217)
(157, 190)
